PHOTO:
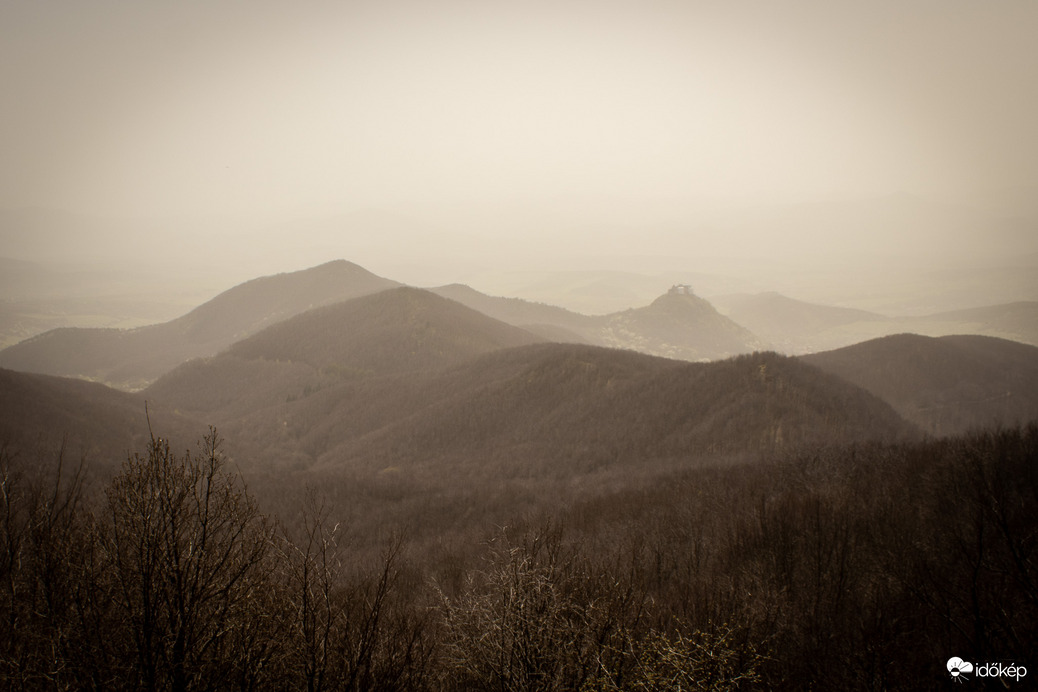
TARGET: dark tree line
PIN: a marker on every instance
(860, 567)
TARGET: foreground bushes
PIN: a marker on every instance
(863, 568)
(542, 616)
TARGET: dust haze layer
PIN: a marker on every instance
(840, 154)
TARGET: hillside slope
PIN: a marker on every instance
(946, 385)
(40, 413)
(392, 331)
(566, 410)
(131, 359)
(400, 330)
(534, 409)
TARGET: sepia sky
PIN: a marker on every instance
(482, 116)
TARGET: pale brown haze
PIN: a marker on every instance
(456, 345)
(874, 155)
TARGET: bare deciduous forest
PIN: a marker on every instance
(847, 567)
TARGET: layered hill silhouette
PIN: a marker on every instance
(945, 385)
(675, 325)
(130, 359)
(405, 378)
(408, 383)
(678, 324)
(1015, 321)
(408, 380)
(399, 331)
(555, 323)
(796, 327)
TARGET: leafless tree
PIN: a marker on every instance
(189, 557)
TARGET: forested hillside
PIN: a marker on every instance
(547, 408)
(945, 385)
(40, 414)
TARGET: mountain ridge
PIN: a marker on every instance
(797, 327)
(131, 359)
(677, 324)
(690, 329)
(589, 407)
(945, 385)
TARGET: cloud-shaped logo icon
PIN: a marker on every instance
(957, 667)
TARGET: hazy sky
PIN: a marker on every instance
(266, 112)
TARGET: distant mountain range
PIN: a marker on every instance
(130, 359)
(336, 366)
(797, 327)
(1015, 321)
(685, 326)
(408, 382)
(675, 325)
(678, 324)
